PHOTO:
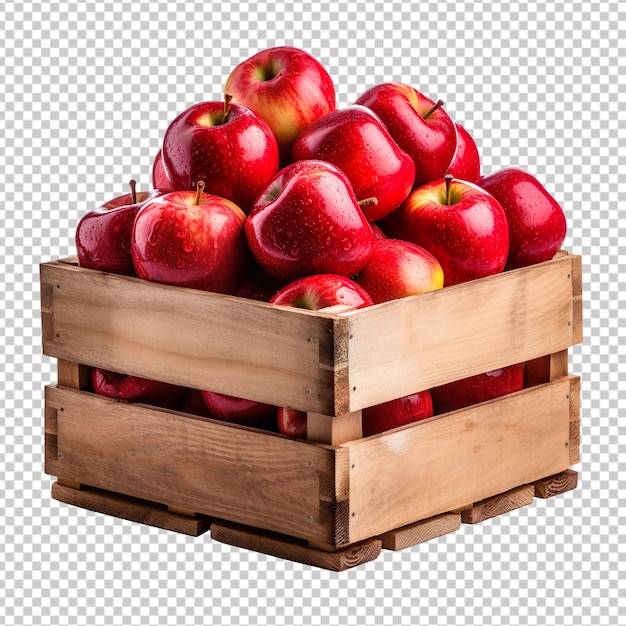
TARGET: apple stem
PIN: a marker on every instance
(199, 189)
(449, 178)
(133, 190)
(436, 106)
(368, 202)
(228, 100)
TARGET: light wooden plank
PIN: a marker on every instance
(407, 345)
(244, 348)
(334, 430)
(288, 548)
(444, 463)
(130, 509)
(499, 505)
(555, 485)
(194, 464)
(422, 531)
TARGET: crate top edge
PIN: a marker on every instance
(332, 314)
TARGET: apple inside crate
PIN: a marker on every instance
(335, 489)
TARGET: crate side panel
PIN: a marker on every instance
(450, 461)
(417, 343)
(194, 464)
(187, 337)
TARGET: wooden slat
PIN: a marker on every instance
(574, 424)
(293, 550)
(244, 348)
(446, 462)
(73, 375)
(334, 430)
(403, 346)
(130, 509)
(424, 530)
(498, 505)
(557, 484)
(195, 464)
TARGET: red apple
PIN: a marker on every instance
(191, 239)
(287, 87)
(319, 291)
(103, 234)
(136, 389)
(308, 221)
(398, 269)
(292, 422)
(356, 141)
(479, 388)
(226, 145)
(459, 223)
(240, 410)
(412, 408)
(537, 223)
(160, 180)
(419, 126)
(466, 161)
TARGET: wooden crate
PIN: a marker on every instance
(335, 499)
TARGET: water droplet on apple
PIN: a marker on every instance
(328, 241)
(188, 247)
(295, 248)
(180, 263)
(347, 244)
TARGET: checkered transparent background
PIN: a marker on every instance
(87, 90)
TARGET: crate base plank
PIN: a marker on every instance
(422, 531)
(557, 484)
(296, 550)
(498, 505)
(131, 509)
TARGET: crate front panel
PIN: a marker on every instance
(404, 346)
(195, 464)
(454, 460)
(197, 339)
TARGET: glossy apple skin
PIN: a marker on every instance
(236, 159)
(103, 235)
(319, 291)
(159, 177)
(431, 142)
(466, 161)
(287, 87)
(136, 389)
(469, 237)
(537, 222)
(292, 422)
(479, 388)
(398, 269)
(307, 221)
(240, 410)
(177, 242)
(381, 417)
(357, 142)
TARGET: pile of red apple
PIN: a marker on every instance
(276, 194)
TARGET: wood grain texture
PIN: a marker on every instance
(556, 484)
(280, 355)
(499, 504)
(424, 530)
(446, 462)
(131, 509)
(416, 343)
(293, 550)
(193, 464)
